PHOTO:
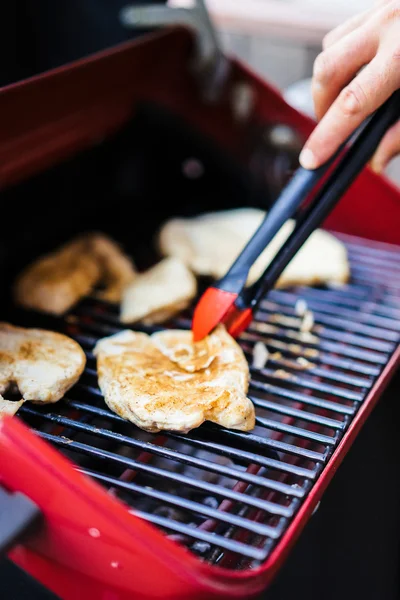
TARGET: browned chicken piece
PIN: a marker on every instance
(42, 364)
(8, 407)
(143, 382)
(117, 270)
(56, 282)
(159, 293)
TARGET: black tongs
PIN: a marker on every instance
(228, 301)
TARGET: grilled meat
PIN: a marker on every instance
(56, 282)
(159, 383)
(42, 364)
(159, 293)
(210, 243)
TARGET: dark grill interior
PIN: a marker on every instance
(230, 496)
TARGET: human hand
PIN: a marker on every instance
(344, 95)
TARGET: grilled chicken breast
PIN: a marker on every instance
(166, 382)
(210, 243)
(159, 293)
(56, 282)
(43, 365)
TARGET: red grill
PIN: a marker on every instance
(226, 505)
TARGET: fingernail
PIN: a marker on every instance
(307, 159)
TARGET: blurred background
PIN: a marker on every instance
(278, 38)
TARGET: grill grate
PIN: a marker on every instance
(229, 496)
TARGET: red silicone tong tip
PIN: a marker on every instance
(211, 310)
(237, 321)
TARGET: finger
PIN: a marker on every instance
(335, 67)
(388, 149)
(371, 88)
(353, 23)
(345, 28)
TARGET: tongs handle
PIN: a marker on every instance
(343, 175)
(293, 195)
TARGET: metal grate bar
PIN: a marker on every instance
(311, 384)
(360, 247)
(381, 260)
(313, 355)
(272, 508)
(296, 431)
(302, 398)
(288, 319)
(189, 505)
(324, 306)
(336, 298)
(312, 370)
(375, 277)
(298, 414)
(244, 456)
(312, 341)
(199, 534)
(255, 440)
(325, 333)
(252, 458)
(170, 454)
(261, 442)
